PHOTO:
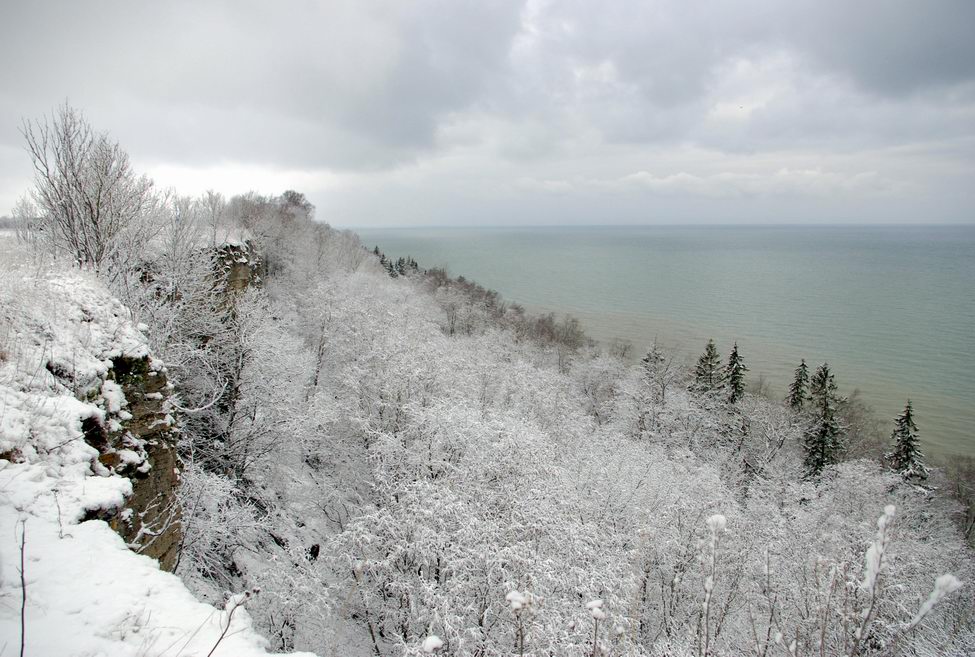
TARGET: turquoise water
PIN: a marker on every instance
(892, 309)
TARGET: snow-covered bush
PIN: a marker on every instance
(408, 466)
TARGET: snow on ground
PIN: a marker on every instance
(87, 594)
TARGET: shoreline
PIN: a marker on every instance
(943, 419)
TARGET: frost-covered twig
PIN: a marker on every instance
(205, 407)
(48, 450)
(233, 604)
(521, 605)
(23, 587)
(57, 503)
(872, 575)
(595, 608)
(716, 525)
(943, 587)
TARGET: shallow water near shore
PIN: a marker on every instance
(891, 308)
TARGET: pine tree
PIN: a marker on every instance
(822, 439)
(798, 390)
(734, 375)
(706, 373)
(906, 457)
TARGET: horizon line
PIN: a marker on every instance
(970, 224)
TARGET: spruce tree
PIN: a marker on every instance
(706, 373)
(906, 457)
(798, 389)
(822, 439)
(734, 375)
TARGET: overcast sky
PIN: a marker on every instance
(482, 112)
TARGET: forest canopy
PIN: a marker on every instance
(401, 462)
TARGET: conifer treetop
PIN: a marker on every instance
(906, 457)
(735, 375)
(799, 390)
(706, 373)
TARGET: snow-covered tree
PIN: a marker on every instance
(799, 389)
(734, 375)
(906, 458)
(707, 375)
(822, 438)
(90, 203)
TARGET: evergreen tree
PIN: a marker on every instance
(798, 390)
(652, 361)
(906, 457)
(822, 439)
(706, 376)
(387, 265)
(734, 375)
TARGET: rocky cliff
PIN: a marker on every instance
(143, 448)
(83, 399)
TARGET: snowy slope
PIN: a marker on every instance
(87, 593)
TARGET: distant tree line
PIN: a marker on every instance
(816, 401)
(400, 267)
(471, 307)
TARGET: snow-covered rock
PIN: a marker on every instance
(67, 456)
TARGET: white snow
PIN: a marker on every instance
(112, 394)
(518, 600)
(432, 644)
(87, 594)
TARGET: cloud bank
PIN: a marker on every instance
(392, 113)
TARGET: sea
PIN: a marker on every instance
(890, 308)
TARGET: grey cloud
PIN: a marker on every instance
(360, 79)
(348, 84)
(496, 91)
(726, 184)
(891, 47)
(666, 59)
